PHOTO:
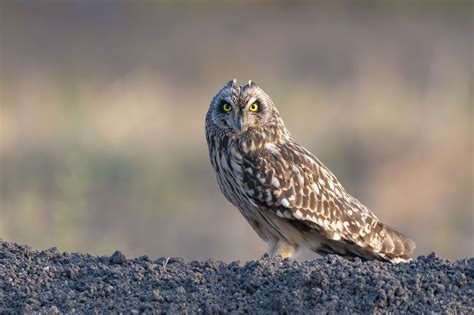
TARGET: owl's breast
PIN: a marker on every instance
(227, 164)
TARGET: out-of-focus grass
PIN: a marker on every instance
(102, 125)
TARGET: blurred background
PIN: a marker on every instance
(102, 108)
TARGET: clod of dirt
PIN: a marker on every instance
(54, 282)
(117, 258)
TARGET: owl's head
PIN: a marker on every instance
(238, 109)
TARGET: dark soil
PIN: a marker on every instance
(51, 281)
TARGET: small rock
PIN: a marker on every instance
(155, 295)
(118, 258)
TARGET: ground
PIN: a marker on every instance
(51, 281)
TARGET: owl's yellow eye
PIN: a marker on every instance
(253, 107)
(226, 107)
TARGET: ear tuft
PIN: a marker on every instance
(251, 83)
(231, 82)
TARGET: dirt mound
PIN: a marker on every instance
(52, 281)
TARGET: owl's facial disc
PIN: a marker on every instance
(243, 118)
(241, 108)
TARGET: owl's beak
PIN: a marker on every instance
(239, 124)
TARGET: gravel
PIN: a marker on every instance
(51, 281)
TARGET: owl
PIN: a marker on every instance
(288, 196)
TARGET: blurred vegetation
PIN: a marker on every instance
(102, 111)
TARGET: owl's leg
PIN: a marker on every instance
(280, 248)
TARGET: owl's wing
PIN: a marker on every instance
(292, 182)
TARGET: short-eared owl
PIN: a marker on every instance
(286, 194)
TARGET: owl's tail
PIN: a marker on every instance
(382, 243)
(396, 247)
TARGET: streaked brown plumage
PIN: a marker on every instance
(286, 194)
